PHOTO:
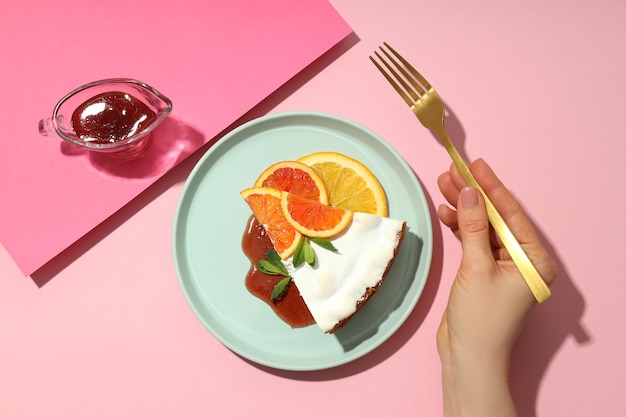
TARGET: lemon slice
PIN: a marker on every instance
(350, 184)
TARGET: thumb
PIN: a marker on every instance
(474, 229)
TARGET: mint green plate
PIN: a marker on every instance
(210, 222)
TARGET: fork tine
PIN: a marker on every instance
(392, 81)
(401, 79)
(410, 67)
(417, 92)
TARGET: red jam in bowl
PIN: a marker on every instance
(110, 117)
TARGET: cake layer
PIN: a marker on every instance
(341, 282)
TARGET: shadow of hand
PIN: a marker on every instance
(547, 329)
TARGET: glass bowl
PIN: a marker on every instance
(133, 96)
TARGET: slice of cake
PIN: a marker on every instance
(326, 218)
(341, 282)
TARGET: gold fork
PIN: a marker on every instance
(428, 107)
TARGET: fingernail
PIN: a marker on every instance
(469, 197)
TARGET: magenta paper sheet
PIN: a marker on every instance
(214, 59)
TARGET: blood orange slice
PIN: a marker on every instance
(265, 203)
(296, 178)
(312, 218)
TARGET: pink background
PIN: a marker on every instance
(536, 88)
(214, 60)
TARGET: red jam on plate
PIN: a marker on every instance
(291, 308)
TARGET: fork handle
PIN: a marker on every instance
(533, 279)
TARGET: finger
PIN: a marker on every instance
(453, 183)
(501, 254)
(447, 216)
(457, 178)
(505, 203)
(474, 231)
(515, 217)
(448, 188)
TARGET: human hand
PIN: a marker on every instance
(489, 300)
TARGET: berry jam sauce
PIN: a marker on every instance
(111, 117)
(291, 308)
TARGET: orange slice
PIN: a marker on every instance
(350, 184)
(265, 203)
(312, 218)
(296, 178)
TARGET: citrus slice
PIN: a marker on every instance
(350, 184)
(312, 218)
(265, 203)
(296, 178)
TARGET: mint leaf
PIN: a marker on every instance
(298, 255)
(269, 268)
(304, 253)
(272, 264)
(309, 254)
(273, 257)
(280, 288)
(324, 243)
